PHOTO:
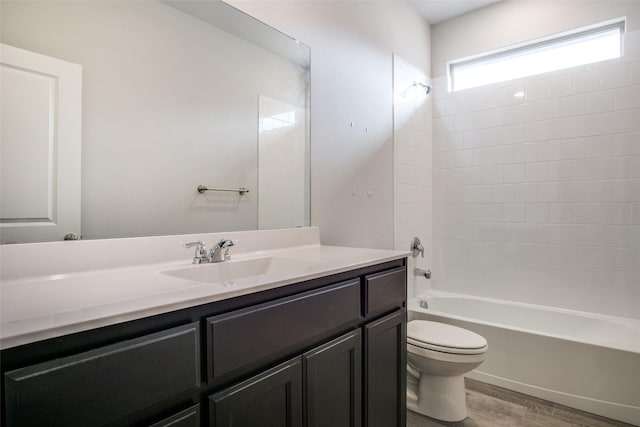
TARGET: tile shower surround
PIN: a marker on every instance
(413, 172)
(537, 194)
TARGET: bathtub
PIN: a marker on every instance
(586, 361)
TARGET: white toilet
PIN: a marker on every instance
(438, 356)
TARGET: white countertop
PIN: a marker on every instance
(40, 307)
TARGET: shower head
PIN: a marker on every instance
(427, 88)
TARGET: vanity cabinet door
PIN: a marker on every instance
(333, 383)
(107, 384)
(190, 417)
(270, 399)
(386, 371)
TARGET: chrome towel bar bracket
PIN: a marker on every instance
(241, 190)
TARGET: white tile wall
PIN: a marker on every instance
(282, 160)
(413, 173)
(537, 199)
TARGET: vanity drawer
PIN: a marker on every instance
(385, 290)
(251, 337)
(100, 386)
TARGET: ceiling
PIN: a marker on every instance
(436, 11)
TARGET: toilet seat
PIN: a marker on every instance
(444, 338)
(444, 356)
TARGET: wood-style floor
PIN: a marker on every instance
(491, 406)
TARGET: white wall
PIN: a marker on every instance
(537, 199)
(169, 102)
(516, 21)
(351, 81)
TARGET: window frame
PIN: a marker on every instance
(533, 45)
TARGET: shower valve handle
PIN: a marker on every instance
(417, 248)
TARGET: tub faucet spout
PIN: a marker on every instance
(422, 273)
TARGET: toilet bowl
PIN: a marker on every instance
(438, 356)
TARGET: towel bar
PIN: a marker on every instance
(241, 190)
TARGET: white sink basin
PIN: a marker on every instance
(233, 270)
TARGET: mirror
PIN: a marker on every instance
(171, 95)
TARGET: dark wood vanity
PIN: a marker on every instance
(324, 352)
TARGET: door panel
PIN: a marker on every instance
(270, 399)
(40, 142)
(333, 383)
(386, 371)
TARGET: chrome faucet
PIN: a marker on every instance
(201, 255)
(219, 253)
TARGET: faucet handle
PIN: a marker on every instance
(416, 247)
(201, 251)
(199, 244)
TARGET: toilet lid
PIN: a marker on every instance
(425, 333)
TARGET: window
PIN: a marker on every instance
(584, 46)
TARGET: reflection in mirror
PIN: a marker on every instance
(282, 158)
(171, 101)
(40, 107)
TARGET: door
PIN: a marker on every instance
(270, 399)
(386, 371)
(40, 138)
(333, 383)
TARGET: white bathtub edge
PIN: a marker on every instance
(414, 304)
(616, 411)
